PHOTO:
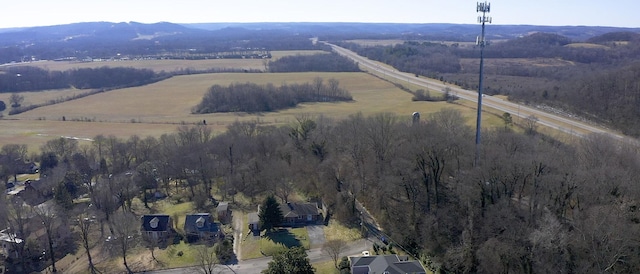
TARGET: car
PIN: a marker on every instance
(365, 253)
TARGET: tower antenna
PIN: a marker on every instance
(483, 8)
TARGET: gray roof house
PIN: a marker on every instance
(300, 213)
(389, 264)
(200, 226)
(157, 226)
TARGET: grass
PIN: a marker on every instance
(159, 108)
(336, 230)
(276, 242)
(325, 267)
(169, 256)
(273, 243)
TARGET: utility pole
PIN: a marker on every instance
(484, 8)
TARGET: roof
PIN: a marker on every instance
(9, 237)
(293, 210)
(155, 222)
(253, 218)
(391, 264)
(223, 206)
(200, 222)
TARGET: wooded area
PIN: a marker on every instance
(252, 98)
(570, 76)
(531, 205)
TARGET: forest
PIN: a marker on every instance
(249, 97)
(542, 69)
(531, 204)
(29, 78)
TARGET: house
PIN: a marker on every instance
(300, 214)
(157, 227)
(8, 243)
(390, 264)
(254, 222)
(224, 213)
(200, 226)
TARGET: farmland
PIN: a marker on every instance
(159, 108)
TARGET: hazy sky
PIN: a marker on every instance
(23, 13)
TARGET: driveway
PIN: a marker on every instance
(316, 235)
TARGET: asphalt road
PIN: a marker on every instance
(558, 122)
(255, 266)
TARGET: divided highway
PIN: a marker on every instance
(557, 122)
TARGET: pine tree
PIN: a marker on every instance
(270, 214)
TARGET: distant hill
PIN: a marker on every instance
(625, 36)
(108, 39)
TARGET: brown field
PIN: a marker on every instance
(587, 45)
(169, 65)
(473, 64)
(161, 107)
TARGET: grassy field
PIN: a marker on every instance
(161, 107)
(169, 65)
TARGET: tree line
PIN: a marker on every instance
(28, 78)
(332, 62)
(582, 73)
(250, 97)
(530, 205)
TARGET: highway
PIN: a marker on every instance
(551, 120)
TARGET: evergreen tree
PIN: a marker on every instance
(294, 260)
(270, 214)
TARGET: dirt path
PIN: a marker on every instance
(237, 233)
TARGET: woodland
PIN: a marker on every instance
(570, 77)
(530, 205)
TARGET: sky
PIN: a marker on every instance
(28, 13)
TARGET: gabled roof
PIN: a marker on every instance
(200, 222)
(293, 210)
(391, 264)
(254, 218)
(155, 222)
(222, 206)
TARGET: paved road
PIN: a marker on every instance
(255, 266)
(558, 122)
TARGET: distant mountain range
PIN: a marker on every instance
(103, 39)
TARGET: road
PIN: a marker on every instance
(255, 266)
(554, 121)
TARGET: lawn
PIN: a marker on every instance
(336, 230)
(274, 242)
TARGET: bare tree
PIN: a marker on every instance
(531, 124)
(47, 215)
(333, 248)
(84, 223)
(125, 228)
(15, 156)
(206, 258)
(16, 100)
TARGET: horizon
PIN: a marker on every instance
(22, 14)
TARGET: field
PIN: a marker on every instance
(167, 65)
(161, 107)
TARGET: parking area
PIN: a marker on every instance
(316, 235)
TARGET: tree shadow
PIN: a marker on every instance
(284, 237)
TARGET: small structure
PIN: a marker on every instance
(300, 214)
(224, 213)
(391, 264)
(8, 244)
(157, 227)
(200, 226)
(415, 117)
(254, 222)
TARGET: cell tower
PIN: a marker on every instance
(484, 8)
